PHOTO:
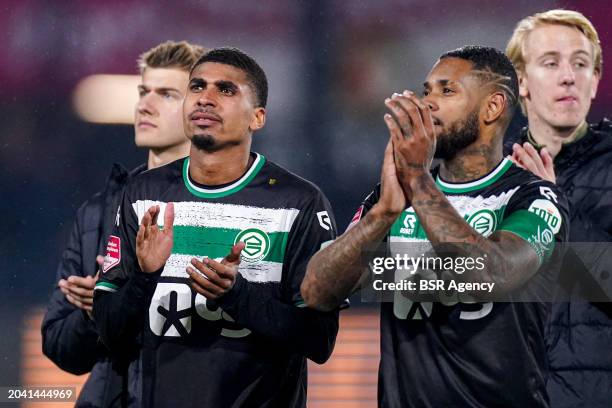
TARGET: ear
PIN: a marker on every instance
(595, 84)
(494, 107)
(259, 119)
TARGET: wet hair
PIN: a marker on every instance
(236, 58)
(171, 54)
(493, 68)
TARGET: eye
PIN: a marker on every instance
(227, 90)
(166, 95)
(425, 92)
(142, 92)
(580, 64)
(550, 64)
(195, 87)
(447, 91)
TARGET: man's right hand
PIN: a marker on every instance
(153, 246)
(392, 200)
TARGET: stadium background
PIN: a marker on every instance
(330, 64)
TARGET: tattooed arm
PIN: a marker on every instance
(335, 271)
(509, 259)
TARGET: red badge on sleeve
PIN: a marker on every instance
(113, 253)
(356, 218)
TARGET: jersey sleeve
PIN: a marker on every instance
(123, 291)
(313, 229)
(120, 261)
(366, 205)
(538, 212)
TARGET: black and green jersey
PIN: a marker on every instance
(194, 352)
(453, 354)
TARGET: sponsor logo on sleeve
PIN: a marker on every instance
(546, 210)
(113, 253)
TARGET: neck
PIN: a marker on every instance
(221, 166)
(159, 157)
(472, 162)
(552, 137)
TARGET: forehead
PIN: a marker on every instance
(165, 78)
(214, 71)
(556, 38)
(450, 70)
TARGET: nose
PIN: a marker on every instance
(567, 74)
(205, 98)
(429, 101)
(145, 105)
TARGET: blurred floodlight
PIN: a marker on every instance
(106, 98)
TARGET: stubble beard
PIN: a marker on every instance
(457, 137)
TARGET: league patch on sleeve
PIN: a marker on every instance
(113, 253)
(355, 218)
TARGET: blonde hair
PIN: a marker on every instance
(171, 54)
(515, 50)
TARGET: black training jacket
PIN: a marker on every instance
(579, 335)
(70, 338)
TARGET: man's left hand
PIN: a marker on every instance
(414, 140)
(213, 279)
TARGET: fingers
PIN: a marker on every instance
(226, 271)
(400, 114)
(87, 282)
(169, 218)
(76, 295)
(140, 236)
(425, 115)
(548, 163)
(153, 212)
(208, 295)
(525, 159)
(205, 286)
(216, 273)
(535, 157)
(514, 159)
(394, 130)
(100, 260)
(80, 304)
(412, 115)
(234, 256)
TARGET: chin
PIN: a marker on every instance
(568, 121)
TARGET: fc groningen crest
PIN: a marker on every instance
(257, 244)
(483, 221)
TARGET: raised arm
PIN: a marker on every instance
(123, 292)
(510, 259)
(335, 271)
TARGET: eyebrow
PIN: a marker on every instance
(219, 84)
(441, 82)
(557, 53)
(227, 85)
(163, 89)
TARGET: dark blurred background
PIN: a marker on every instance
(330, 65)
